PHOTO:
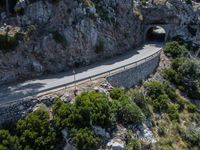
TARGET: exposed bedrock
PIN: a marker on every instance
(57, 35)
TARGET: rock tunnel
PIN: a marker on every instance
(155, 33)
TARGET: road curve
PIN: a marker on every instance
(10, 93)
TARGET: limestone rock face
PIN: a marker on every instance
(180, 19)
(116, 144)
(61, 34)
(69, 33)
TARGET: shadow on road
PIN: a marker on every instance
(9, 93)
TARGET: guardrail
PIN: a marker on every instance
(90, 78)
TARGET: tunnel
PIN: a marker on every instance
(155, 34)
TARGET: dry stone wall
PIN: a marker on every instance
(16, 110)
(133, 76)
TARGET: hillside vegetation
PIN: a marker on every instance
(175, 120)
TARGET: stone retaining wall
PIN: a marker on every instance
(130, 77)
(16, 110)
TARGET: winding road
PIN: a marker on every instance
(11, 93)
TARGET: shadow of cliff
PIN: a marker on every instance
(12, 93)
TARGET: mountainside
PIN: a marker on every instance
(158, 114)
(39, 37)
(49, 36)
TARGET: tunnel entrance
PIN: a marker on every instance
(155, 34)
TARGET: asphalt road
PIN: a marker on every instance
(10, 93)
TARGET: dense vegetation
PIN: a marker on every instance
(174, 118)
(38, 131)
(185, 70)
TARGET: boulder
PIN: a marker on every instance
(116, 144)
(100, 131)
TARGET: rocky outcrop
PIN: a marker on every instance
(182, 18)
(12, 112)
(61, 34)
(69, 33)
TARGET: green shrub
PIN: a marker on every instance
(90, 107)
(191, 107)
(85, 139)
(190, 68)
(36, 132)
(172, 76)
(133, 144)
(67, 115)
(116, 93)
(161, 103)
(170, 91)
(127, 112)
(169, 73)
(181, 103)
(7, 141)
(161, 128)
(175, 49)
(154, 89)
(173, 112)
(8, 43)
(98, 107)
(139, 99)
(177, 62)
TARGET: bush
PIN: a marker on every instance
(66, 115)
(154, 89)
(187, 67)
(90, 107)
(7, 42)
(133, 144)
(176, 63)
(161, 103)
(98, 106)
(181, 103)
(85, 139)
(170, 91)
(175, 49)
(169, 74)
(139, 99)
(191, 107)
(190, 69)
(7, 141)
(173, 112)
(36, 132)
(116, 93)
(161, 128)
(127, 112)
(172, 76)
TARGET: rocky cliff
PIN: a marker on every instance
(49, 36)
